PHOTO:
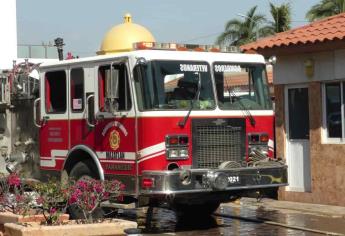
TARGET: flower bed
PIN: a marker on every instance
(9, 217)
(107, 227)
(41, 210)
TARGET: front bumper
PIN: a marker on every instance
(213, 180)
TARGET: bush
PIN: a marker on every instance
(87, 194)
(13, 197)
(51, 200)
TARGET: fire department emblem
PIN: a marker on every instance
(114, 140)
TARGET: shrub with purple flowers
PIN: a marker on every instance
(52, 200)
(87, 194)
(13, 198)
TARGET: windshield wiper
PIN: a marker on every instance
(183, 122)
(245, 110)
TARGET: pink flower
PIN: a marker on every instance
(82, 185)
(106, 195)
(98, 188)
(52, 210)
(19, 198)
(13, 180)
(40, 200)
(73, 199)
(122, 187)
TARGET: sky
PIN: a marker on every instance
(83, 23)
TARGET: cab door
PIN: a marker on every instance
(114, 126)
(54, 126)
(79, 133)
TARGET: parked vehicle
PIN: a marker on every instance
(189, 125)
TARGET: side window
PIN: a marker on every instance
(334, 98)
(123, 102)
(77, 89)
(103, 73)
(55, 91)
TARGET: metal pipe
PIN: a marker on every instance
(59, 45)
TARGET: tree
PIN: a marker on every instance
(238, 32)
(281, 18)
(325, 8)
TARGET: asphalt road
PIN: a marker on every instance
(236, 219)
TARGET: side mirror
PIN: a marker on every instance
(112, 90)
(141, 61)
(112, 82)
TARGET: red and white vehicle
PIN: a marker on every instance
(194, 128)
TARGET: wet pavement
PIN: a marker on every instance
(237, 219)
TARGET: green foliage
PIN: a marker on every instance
(53, 197)
(238, 32)
(253, 26)
(281, 17)
(325, 8)
(51, 200)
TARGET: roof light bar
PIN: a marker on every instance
(184, 47)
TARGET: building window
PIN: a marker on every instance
(77, 89)
(333, 112)
(55, 91)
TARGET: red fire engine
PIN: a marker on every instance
(184, 124)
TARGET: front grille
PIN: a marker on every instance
(218, 140)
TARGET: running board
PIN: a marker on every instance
(118, 205)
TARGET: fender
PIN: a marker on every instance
(93, 156)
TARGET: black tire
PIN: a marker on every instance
(80, 170)
(196, 210)
(270, 193)
(83, 168)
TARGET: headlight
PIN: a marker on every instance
(177, 146)
(177, 154)
(217, 180)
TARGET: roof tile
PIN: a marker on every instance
(330, 28)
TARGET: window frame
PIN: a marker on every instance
(46, 93)
(324, 134)
(250, 84)
(138, 89)
(101, 85)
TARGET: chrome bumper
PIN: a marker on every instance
(213, 180)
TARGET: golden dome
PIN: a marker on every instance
(121, 37)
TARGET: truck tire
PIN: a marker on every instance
(196, 210)
(83, 169)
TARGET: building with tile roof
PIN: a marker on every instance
(329, 32)
(309, 83)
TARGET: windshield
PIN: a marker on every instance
(174, 85)
(241, 86)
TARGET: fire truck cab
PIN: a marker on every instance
(191, 128)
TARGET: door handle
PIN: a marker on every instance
(35, 112)
(88, 111)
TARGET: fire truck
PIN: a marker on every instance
(189, 125)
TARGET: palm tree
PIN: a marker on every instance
(325, 8)
(238, 32)
(281, 17)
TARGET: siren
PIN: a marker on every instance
(184, 47)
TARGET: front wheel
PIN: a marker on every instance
(197, 210)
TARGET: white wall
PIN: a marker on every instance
(8, 35)
(327, 66)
